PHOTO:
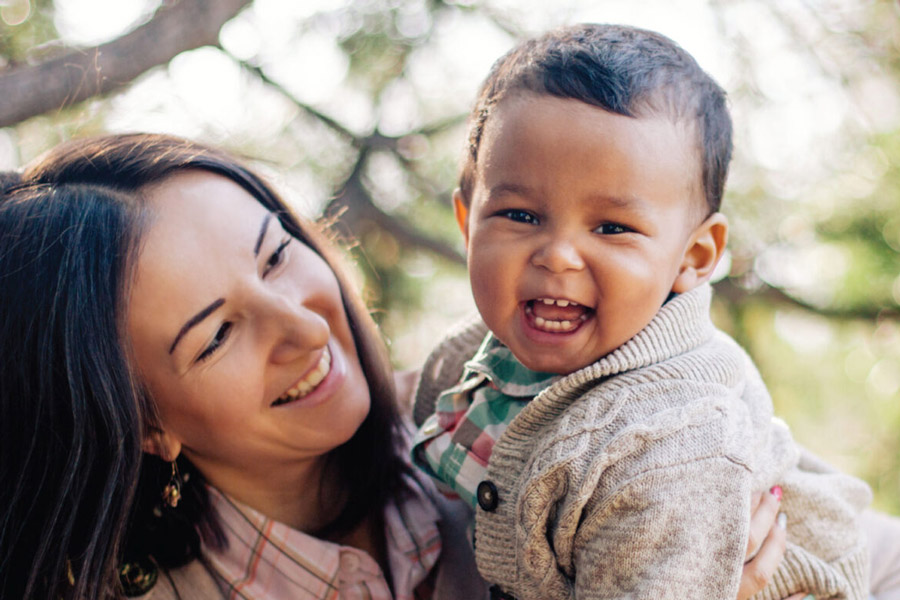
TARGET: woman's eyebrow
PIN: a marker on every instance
(264, 226)
(195, 320)
(262, 233)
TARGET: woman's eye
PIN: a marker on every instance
(276, 257)
(612, 229)
(218, 340)
(520, 216)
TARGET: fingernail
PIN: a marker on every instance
(782, 520)
(776, 491)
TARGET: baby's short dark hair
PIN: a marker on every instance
(620, 69)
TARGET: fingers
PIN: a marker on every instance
(757, 573)
(759, 570)
(754, 502)
(762, 519)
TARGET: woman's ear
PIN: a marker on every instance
(161, 444)
(705, 247)
(461, 212)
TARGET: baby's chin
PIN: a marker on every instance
(558, 362)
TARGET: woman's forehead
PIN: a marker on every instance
(200, 221)
(197, 198)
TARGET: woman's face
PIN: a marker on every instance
(239, 333)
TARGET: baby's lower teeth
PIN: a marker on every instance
(542, 323)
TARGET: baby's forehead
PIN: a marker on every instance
(653, 107)
(651, 142)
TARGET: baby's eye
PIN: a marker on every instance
(520, 216)
(612, 229)
(217, 341)
(276, 257)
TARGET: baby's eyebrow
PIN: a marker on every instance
(613, 201)
(632, 202)
(509, 188)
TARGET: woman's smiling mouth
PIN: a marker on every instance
(309, 382)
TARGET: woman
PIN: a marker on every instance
(186, 369)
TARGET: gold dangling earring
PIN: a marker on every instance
(172, 492)
(70, 576)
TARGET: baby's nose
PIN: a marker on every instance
(558, 255)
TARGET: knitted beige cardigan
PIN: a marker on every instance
(632, 477)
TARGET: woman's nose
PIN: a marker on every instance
(293, 329)
(557, 255)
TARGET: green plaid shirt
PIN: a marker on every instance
(454, 444)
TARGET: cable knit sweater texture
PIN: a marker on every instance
(632, 477)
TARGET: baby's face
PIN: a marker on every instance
(581, 223)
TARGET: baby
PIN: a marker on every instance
(607, 435)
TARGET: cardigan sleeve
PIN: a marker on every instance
(680, 531)
(826, 552)
(669, 533)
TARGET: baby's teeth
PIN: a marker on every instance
(551, 302)
(547, 325)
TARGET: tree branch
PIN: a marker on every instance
(264, 77)
(406, 235)
(80, 74)
(355, 210)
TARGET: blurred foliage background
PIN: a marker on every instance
(356, 109)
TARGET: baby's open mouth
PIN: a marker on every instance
(555, 315)
(308, 383)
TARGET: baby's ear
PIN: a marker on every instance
(161, 444)
(705, 247)
(461, 212)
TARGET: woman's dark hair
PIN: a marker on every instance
(8, 181)
(118, 167)
(620, 69)
(69, 426)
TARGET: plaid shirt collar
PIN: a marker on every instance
(496, 362)
(265, 559)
